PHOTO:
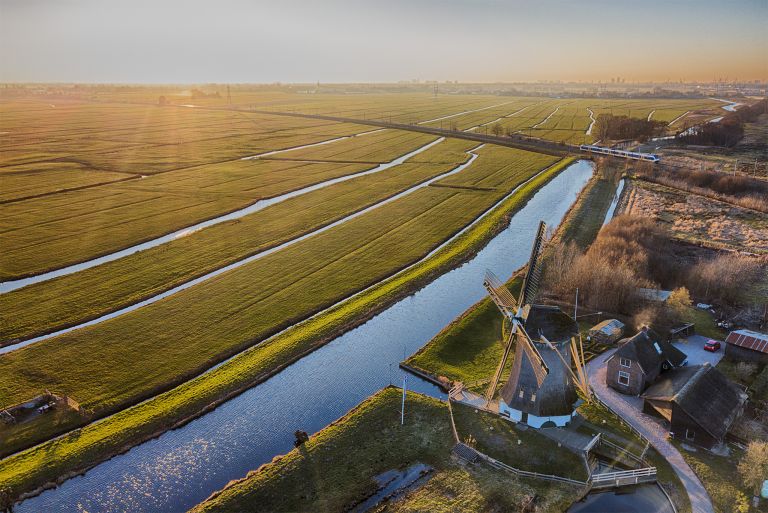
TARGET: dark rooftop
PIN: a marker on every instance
(704, 394)
(552, 322)
(648, 351)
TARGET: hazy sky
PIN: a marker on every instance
(384, 40)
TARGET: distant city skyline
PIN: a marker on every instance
(335, 41)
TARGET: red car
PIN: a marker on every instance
(712, 346)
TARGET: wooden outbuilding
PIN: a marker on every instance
(699, 403)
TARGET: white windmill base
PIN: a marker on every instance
(533, 420)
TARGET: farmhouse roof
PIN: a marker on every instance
(749, 340)
(649, 353)
(704, 394)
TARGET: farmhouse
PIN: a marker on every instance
(699, 403)
(747, 345)
(607, 332)
(639, 361)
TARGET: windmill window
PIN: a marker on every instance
(533, 397)
(625, 362)
(690, 434)
(520, 395)
(624, 378)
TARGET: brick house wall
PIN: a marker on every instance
(637, 379)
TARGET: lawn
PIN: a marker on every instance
(334, 470)
(524, 449)
(100, 440)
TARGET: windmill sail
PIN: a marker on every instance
(533, 274)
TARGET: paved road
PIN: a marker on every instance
(629, 409)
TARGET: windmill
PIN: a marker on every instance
(542, 385)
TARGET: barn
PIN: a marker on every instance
(699, 403)
(747, 345)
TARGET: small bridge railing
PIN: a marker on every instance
(624, 477)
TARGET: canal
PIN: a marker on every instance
(182, 467)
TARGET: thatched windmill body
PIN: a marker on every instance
(542, 385)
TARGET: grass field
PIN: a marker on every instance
(80, 296)
(82, 224)
(364, 439)
(117, 362)
(95, 442)
(88, 159)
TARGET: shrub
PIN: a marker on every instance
(724, 277)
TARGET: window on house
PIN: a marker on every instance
(624, 378)
(625, 362)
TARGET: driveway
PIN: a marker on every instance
(694, 348)
(628, 408)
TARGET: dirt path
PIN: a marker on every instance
(628, 407)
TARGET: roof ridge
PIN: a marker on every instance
(692, 380)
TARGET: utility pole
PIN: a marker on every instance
(229, 96)
(576, 304)
(402, 408)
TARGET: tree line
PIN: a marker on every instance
(608, 126)
(728, 131)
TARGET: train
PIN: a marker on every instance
(648, 157)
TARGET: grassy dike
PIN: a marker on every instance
(75, 452)
(369, 440)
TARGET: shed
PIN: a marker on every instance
(682, 331)
(609, 331)
(699, 402)
(747, 345)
